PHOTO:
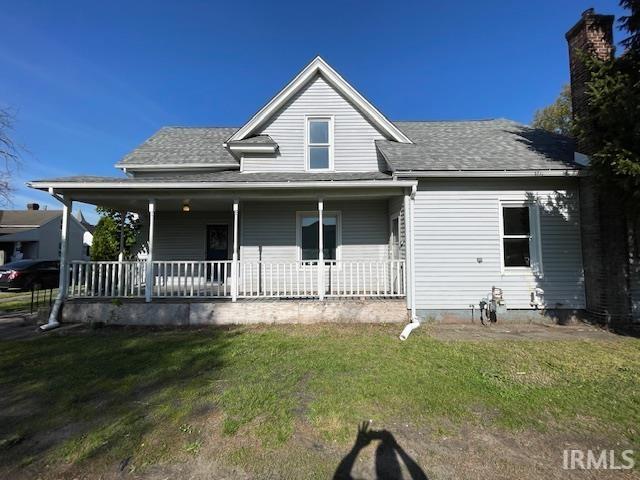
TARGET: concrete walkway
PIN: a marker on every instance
(477, 332)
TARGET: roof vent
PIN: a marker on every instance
(33, 206)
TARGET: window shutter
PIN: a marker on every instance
(535, 246)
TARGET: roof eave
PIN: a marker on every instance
(61, 185)
(568, 172)
(176, 166)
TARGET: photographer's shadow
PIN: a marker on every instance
(388, 456)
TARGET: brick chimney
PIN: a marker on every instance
(593, 34)
(603, 226)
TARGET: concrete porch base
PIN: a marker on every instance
(558, 316)
(185, 312)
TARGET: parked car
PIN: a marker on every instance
(28, 274)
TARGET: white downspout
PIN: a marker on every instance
(409, 233)
(64, 269)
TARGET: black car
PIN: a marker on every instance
(29, 274)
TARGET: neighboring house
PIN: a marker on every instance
(35, 233)
(320, 196)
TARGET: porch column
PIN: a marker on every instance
(63, 279)
(234, 262)
(320, 250)
(148, 291)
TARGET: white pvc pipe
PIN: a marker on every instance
(406, 331)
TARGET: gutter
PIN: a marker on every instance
(489, 173)
(46, 185)
(252, 148)
(132, 167)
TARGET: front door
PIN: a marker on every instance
(217, 242)
(217, 249)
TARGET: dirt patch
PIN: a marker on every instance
(414, 451)
(520, 332)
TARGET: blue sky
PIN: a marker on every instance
(91, 80)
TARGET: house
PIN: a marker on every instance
(322, 208)
(35, 233)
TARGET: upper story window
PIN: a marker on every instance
(319, 143)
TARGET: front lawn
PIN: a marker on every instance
(286, 401)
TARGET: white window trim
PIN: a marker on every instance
(337, 214)
(535, 240)
(394, 216)
(307, 120)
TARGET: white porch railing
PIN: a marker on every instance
(107, 279)
(215, 279)
(192, 279)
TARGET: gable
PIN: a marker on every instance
(354, 135)
(319, 67)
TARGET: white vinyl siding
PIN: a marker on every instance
(353, 135)
(458, 254)
(183, 236)
(268, 229)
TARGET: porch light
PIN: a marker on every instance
(186, 207)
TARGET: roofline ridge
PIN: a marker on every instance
(197, 126)
(490, 119)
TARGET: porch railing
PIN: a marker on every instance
(221, 279)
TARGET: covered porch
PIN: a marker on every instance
(317, 244)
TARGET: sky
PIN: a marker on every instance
(88, 81)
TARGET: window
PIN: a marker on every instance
(520, 236)
(308, 236)
(395, 237)
(319, 136)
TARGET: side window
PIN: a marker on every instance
(318, 144)
(520, 237)
(516, 236)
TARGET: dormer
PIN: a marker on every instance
(317, 123)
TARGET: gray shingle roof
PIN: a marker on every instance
(460, 145)
(477, 145)
(183, 146)
(26, 218)
(230, 176)
(16, 221)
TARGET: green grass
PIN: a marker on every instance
(156, 396)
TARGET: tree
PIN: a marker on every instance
(611, 123)
(106, 244)
(107, 235)
(556, 117)
(9, 154)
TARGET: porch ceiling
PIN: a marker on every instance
(137, 200)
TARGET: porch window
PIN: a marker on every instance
(319, 136)
(308, 235)
(520, 236)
